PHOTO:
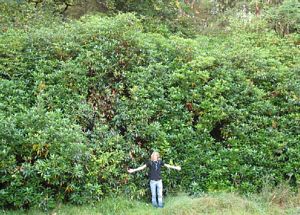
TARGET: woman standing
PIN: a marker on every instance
(154, 165)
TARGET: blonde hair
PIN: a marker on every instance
(153, 154)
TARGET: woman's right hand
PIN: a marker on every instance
(130, 170)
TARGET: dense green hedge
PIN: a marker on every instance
(81, 102)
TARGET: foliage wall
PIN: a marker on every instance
(80, 102)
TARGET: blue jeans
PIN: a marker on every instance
(159, 186)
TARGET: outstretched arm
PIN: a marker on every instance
(137, 169)
(173, 167)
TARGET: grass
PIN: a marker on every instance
(274, 202)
